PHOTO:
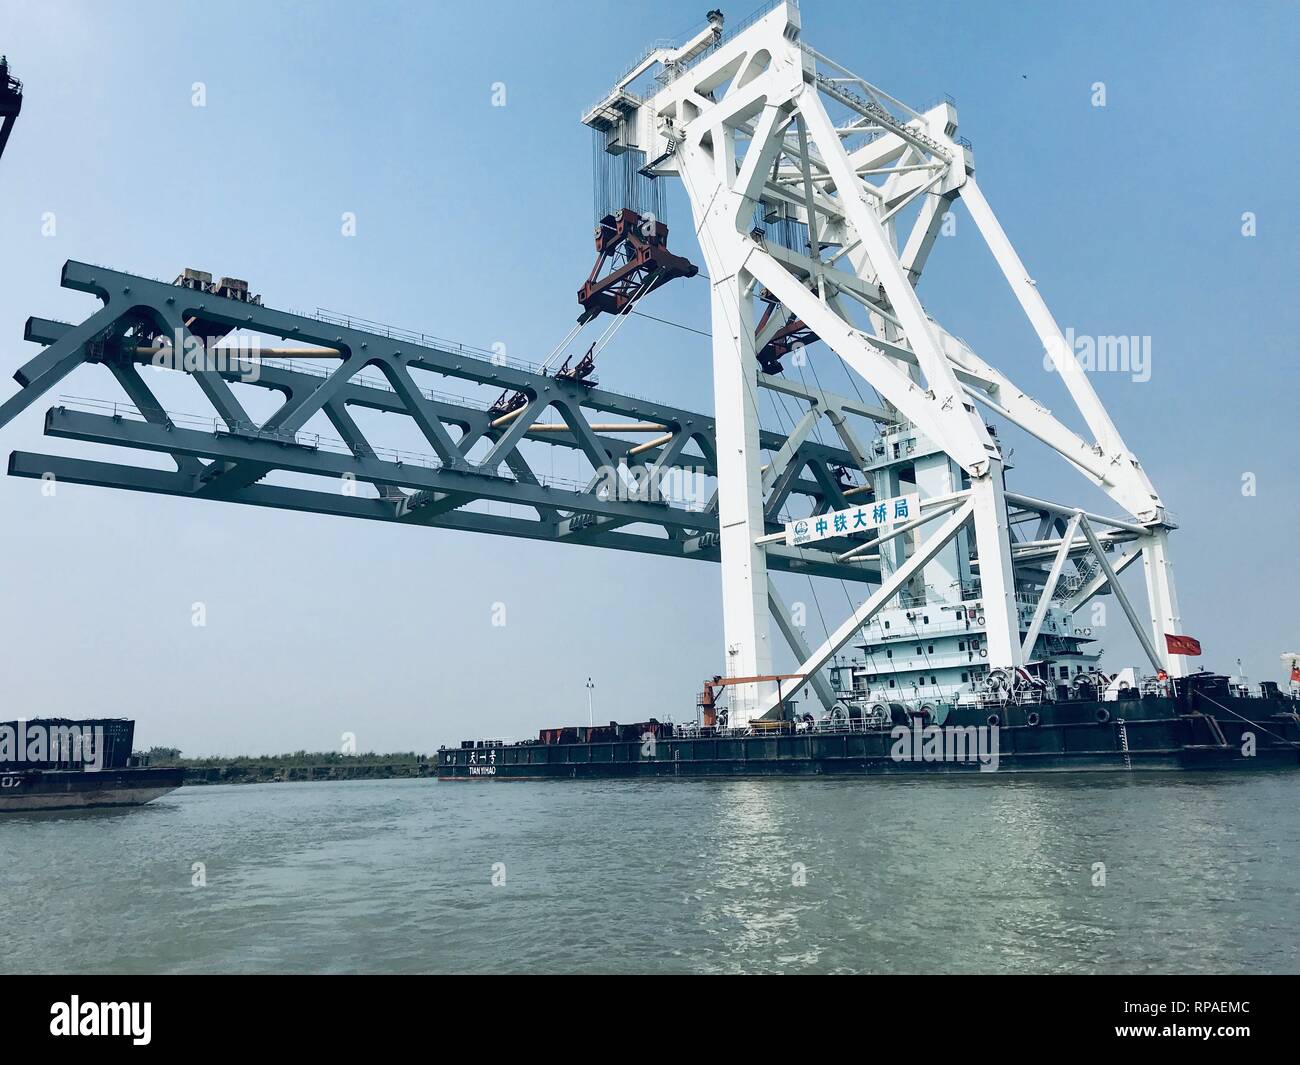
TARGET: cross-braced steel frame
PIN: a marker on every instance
(759, 124)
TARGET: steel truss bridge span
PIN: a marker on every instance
(475, 457)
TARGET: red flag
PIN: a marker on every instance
(1295, 674)
(1182, 645)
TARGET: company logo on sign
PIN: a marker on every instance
(861, 519)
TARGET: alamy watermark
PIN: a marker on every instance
(114, 1019)
(39, 742)
(236, 355)
(1103, 354)
(686, 486)
(965, 744)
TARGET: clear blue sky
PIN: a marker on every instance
(474, 223)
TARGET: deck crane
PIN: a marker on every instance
(711, 715)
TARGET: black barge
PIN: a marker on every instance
(1203, 723)
(65, 764)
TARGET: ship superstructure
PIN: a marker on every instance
(930, 646)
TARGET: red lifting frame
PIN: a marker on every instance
(642, 244)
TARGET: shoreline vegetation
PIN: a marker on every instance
(295, 767)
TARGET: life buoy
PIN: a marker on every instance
(1087, 632)
(979, 620)
(984, 652)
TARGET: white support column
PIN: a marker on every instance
(1163, 599)
(709, 174)
(1117, 589)
(893, 553)
(997, 580)
(925, 231)
(740, 496)
(937, 475)
(1049, 333)
(959, 431)
(1053, 341)
(1049, 586)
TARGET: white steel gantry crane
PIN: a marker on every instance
(754, 120)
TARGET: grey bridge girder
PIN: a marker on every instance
(475, 423)
(229, 462)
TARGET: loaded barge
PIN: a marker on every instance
(1203, 721)
(62, 764)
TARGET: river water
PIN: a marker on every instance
(975, 875)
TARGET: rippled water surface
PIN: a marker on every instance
(1201, 874)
